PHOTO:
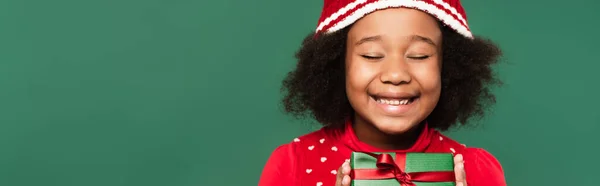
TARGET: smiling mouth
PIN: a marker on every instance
(395, 101)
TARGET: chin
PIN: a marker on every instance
(394, 126)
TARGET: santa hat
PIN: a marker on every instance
(338, 14)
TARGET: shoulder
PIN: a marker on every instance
(282, 165)
(317, 136)
(481, 166)
(278, 167)
(483, 159)
(305, 140)
(445, 143)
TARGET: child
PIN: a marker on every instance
(386, 76)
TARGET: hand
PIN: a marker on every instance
(459, 170)
(343, 173)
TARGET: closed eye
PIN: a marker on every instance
(418, 57)
(371, 57)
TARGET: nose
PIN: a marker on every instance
(396, 72)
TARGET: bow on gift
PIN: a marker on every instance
(387, 168)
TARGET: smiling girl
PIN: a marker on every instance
(386, 76)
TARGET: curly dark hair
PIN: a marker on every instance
(316, 88)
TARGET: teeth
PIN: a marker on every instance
(394, 101)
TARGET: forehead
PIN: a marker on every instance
(396, 23)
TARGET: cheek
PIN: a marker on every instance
(358, 77)
(429, 77)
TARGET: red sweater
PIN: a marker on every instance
(312, 159)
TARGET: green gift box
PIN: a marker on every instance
(406, 169)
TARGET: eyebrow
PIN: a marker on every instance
(423, 39)
(413, 38)
(367, 39)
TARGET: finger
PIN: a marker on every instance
(346, 168)
(459, 170)
(339, 175)
(346, 180)
(342, 173)
(346, 174)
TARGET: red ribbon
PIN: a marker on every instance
(387, 168)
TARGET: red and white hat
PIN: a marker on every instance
(338, 14)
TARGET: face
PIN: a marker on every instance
(393, 65)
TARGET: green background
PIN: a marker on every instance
(182, 92)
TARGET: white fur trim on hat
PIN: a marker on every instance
(451, 9)
(382, 4)
(342, 11)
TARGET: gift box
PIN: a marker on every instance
(406, 169)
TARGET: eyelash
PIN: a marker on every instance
(419, 57)
(378, 57)
(371, 57)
